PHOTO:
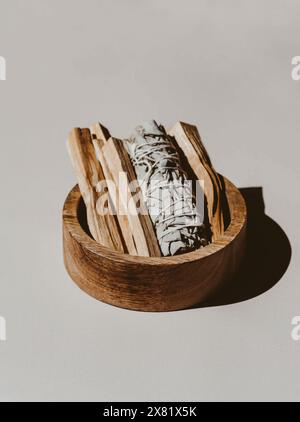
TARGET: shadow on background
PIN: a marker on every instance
(268, 255)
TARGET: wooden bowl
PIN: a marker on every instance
(151, 284)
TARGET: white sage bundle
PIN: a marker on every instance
(166, 190)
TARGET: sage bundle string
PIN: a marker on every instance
(166, 190)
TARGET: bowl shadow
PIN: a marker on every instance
(267, 257)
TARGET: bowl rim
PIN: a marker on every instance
(238, 214)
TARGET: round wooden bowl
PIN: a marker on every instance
(151, 284)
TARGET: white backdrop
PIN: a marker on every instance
(223, 65)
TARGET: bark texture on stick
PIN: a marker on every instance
(88, 171)
(133, 217)
(188, 139)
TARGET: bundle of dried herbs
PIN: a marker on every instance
(167, 192)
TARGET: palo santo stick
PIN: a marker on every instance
(104, 228)
(98, 131)
(122, 219)
(100, 135)
(189, 141)
(134, 220)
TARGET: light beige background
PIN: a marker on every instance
(223, 65)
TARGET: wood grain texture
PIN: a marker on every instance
(98, 131)
(189, 141)
(135, 224)
(152, 283)
(89, 174)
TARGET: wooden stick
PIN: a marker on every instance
(104, 228)
(98, 131)
(122, 219)
(135, 222)
(189, 141)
